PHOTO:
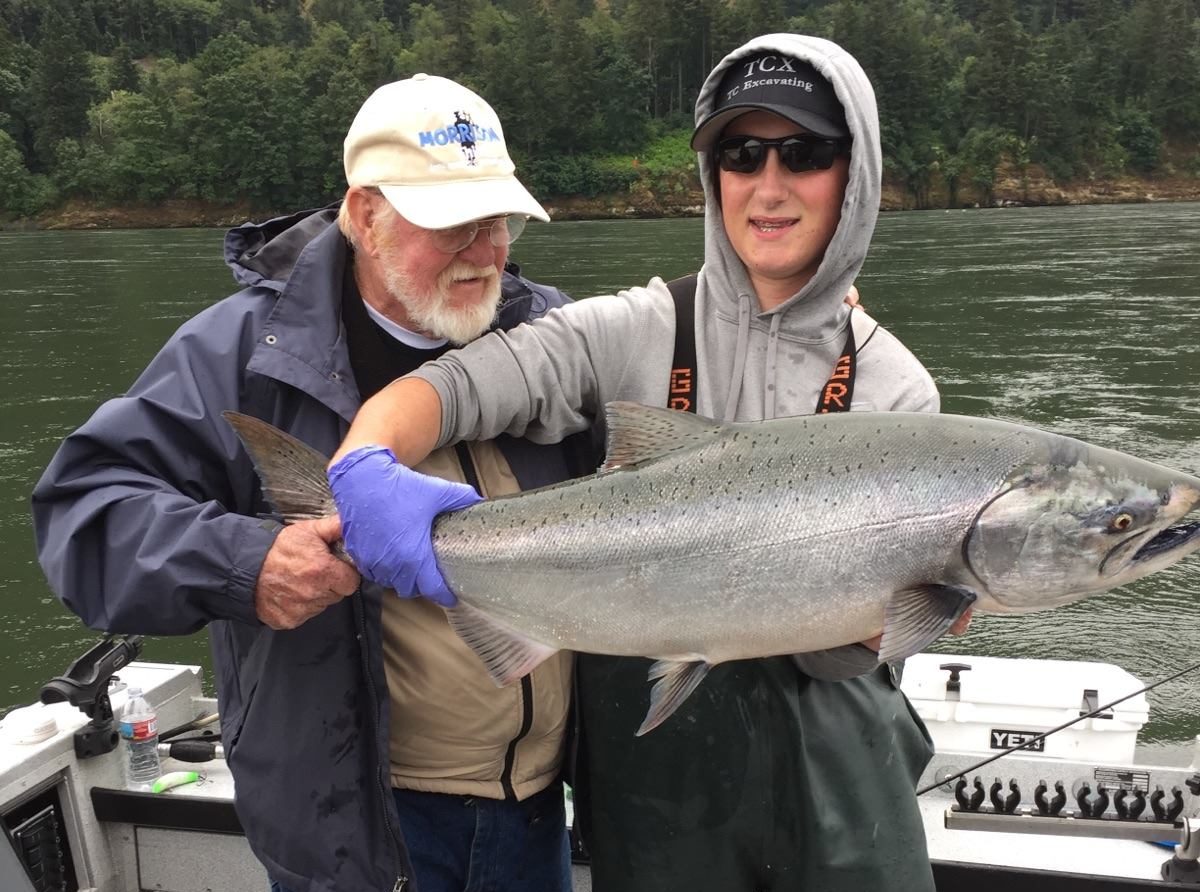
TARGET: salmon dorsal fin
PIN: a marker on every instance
(638, 433)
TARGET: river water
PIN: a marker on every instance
(1082, 320)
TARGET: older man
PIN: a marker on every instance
(368, 745)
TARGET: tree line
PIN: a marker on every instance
(123, 101)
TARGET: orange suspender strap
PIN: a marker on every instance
(838, 391)
(682, 392)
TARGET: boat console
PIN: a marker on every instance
(1073, 811)
(66, 816)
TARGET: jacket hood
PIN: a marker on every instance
(817, 311)
(265, 253)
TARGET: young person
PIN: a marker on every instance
(787, 773)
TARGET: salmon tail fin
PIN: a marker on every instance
(507, 654)
(676, 681)
(916, 617)
(292, 473)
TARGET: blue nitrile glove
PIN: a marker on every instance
(387, 513)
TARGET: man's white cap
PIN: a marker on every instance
(436, 151)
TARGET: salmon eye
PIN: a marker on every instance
(1122, 521)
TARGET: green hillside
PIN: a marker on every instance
(118, 103)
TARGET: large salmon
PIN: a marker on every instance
(700, 542)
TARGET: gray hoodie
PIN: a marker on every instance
(551, 378)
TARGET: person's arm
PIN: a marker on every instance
(378, 422)
(543, 380)
(143, 517)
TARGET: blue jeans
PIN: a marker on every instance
(470, 844)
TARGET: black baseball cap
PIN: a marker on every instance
(776, 83)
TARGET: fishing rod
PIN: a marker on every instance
(1040, 737)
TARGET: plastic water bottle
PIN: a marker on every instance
(139, 728)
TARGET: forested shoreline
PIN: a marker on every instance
(119, 109)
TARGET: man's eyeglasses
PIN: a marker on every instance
(804, 151)
(502, 231)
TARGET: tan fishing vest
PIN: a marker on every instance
(452, 729)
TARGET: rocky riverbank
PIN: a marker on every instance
(1033, 188)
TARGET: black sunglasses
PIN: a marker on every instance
(747, 154)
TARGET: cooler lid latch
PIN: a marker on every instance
(954, 683)
(1091, 702)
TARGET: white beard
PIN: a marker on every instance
(431, 313)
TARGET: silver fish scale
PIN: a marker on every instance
(778, 537)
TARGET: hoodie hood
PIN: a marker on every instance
(820, 303)
(815, 315)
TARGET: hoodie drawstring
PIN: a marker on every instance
(739, 359)
(771, 379)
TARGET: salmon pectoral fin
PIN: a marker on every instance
(676, 680)
(506, 653)
(916, 617)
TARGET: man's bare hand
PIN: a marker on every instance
(852, 299)
(300, 576)
(961, 624)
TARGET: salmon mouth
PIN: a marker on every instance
(1179, 536)
(1118, 552)
(1140, 551)
(1179, 501)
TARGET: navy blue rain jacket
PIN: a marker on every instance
(149, 519)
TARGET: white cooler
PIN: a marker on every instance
(1002, 701)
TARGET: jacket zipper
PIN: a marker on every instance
(510, 756)
(373, 716)
(466, 461)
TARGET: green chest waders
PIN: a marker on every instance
(765, 779)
